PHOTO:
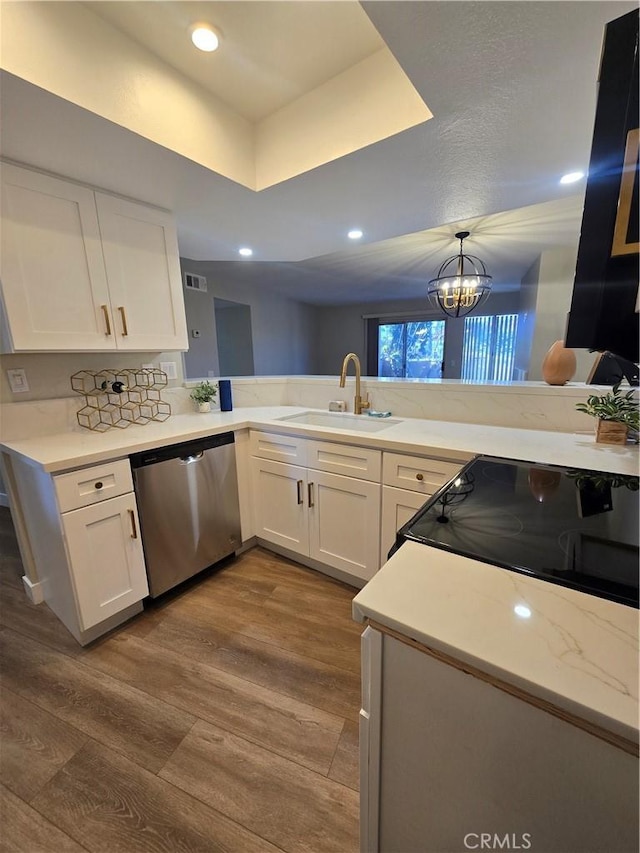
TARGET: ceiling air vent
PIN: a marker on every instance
(195, 282)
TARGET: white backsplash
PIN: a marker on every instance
(528, 405)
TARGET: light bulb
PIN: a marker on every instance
(205, 38)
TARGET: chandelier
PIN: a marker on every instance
(462, 283)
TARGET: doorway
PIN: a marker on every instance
(235, 340)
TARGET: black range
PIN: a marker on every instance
(573, 527)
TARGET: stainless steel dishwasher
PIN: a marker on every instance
(187, 497)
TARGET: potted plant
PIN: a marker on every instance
(202, 395)
(616, 412)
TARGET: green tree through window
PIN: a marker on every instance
(411, 349)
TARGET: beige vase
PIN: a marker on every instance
(559, 364)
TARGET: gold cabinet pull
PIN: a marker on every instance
(107, 321)
(123, 317)
(134, 529)
(310, 494)
(299, 486)
(420, 477)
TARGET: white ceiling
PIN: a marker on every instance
(308, 43)
(512, 86)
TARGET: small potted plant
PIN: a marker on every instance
(202, 395)
(616, 412)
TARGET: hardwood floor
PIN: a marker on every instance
(223, 718)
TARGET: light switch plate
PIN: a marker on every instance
(17, 377)
(169, 368)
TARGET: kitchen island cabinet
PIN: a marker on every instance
(475, 720)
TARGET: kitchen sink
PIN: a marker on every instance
(337, 420)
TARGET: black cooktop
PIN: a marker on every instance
(573, 527)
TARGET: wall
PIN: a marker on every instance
(284, 331)
(527, 318)
(553, 288)
(48, 373)
(202, 358)
(341, 329)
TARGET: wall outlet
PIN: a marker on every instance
(17, 377)
(169, 368)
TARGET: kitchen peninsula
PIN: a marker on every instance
(474, 600)
(42, 441)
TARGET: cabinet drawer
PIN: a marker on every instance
(417, 473)
(91, 485)
(360, 462)
(279, 448)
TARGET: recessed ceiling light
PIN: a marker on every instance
(571, 177)
(354, 234)
(205, 37)
(246, 252)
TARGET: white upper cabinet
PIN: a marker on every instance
(82, 270)
(143, 270)
(52, 271)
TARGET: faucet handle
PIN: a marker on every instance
(364, 401)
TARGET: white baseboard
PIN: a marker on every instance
(34, 591)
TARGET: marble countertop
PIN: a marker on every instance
(576, 651)
(75, 448)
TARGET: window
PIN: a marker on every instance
(413, 349)
(488, 349)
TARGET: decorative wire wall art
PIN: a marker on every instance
(119, 398)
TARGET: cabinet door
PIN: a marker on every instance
(143, 271)
(280, 507)
(344, 523)
(105, 554)
(52, 271)
(398, 506)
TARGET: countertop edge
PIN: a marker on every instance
(542, 651)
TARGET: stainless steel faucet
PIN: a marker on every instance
(358, 403)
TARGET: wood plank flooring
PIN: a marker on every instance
(223, 718)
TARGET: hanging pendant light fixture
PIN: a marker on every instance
(462, 283)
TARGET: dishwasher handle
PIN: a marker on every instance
(181, 450)
(191, 457)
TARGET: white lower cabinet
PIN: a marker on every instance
(447, 754)
(409, 481)
(280, 510)
(344, 523)
(328, 517)
(338, 504)
(81, 532)
(106, 558)
(398, 506)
